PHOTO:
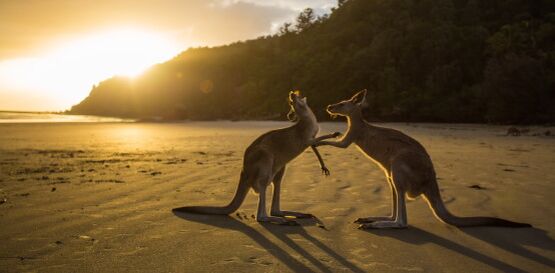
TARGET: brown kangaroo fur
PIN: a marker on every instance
(407, 166)
(264, 163)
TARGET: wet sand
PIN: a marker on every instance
(98, 198)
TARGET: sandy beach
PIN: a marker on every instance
(98, 197)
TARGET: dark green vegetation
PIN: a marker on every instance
(421, 60)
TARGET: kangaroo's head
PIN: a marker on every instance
(347, 107)
(299, 107)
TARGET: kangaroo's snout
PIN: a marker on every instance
(332, 109)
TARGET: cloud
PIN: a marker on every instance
(284, 10)
(296, 5)
(238, 21)
(27, 26)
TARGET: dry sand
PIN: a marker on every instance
(98, 198)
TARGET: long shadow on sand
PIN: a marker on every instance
(514, 240)
(281, 232)
(414, 235)
(283, 235)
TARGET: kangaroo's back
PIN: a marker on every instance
(384, 144)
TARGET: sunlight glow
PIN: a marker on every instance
(66, 72)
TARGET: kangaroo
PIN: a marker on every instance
(407, 166)
(264, 162)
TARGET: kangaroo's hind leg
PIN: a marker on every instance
(262, 181)
(275, 210)
(400, 175)
(262, 216)
(393, 208)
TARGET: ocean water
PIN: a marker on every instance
(33, 117)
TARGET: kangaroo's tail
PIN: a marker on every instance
(238, 199)
(434, 199)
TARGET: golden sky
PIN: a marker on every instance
(53, 51)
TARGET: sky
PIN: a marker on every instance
(53, 51)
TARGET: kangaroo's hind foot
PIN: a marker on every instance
(277, 220)
(285, 213)
(373, 219)
(261, 215)
(383, 225)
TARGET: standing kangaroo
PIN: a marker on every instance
(407, 166)
(264, 163)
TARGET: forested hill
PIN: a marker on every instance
(421, 60)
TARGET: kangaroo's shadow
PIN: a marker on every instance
(417, 236)
(514, 241)
(281, 233)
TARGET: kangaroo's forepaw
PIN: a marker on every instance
(325, 171)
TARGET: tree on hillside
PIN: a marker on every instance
(285, 29)
(341, 2)
(305, 20)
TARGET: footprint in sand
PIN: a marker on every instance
(362, 252)
(341, 211)
(344, 187)
(132, 252)
(232, 260)
(477, 187)
(257, 260)
(205, 230)
(255, 247)
(449, 199)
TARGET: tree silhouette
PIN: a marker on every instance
(305, 20)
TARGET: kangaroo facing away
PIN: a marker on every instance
(407, 166)
(264, 163)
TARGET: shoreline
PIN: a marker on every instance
(338, 120)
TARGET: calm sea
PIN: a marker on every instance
(24, 117)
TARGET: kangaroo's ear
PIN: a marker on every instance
(293, 94)
(304, 100)
(360, 98)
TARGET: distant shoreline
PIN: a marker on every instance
(33, 112)
(162, 120)
(25, 117)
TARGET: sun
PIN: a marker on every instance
(126, 52)
(66, 70)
